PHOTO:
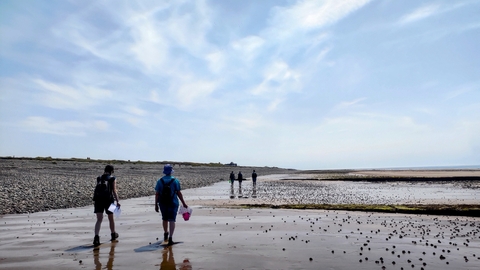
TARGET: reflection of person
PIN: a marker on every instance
(169, 208)
(168, 261)
(254, 178)
(102, 204)
(111, 256)
(232, 178)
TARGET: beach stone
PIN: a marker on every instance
(33, 185)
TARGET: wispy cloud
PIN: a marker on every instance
(278, 80)
(420, 14)
(309, 15)
(135, 111)
(66, 97)
(196, 91)
(462, 90)
(150, 47)
(248, 47)
(348, 104)
(65, 128)
(216, 61)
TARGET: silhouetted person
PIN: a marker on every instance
(254, 178)
(104, 196)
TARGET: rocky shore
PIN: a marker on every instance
(33, 185)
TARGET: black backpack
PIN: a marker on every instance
(102, 191)
(166, 197)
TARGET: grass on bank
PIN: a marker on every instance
(471, 210)
(116, 161)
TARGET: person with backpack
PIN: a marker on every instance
(104, 195)
(167, 193)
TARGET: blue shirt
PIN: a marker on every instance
(175, 185)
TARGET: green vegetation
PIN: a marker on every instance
(429, 209)
(116, 161)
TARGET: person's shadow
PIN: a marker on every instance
(111, 256)
(168, 261)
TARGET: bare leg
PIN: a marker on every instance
(165, 226)
(172, 227)
(98, 223)
(112, 223)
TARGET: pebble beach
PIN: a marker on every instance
(32, 185)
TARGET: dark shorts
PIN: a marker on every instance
(169, 213)
(100, 207)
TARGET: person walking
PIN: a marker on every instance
(232, 178)
(105, 194)
(167, 193)
(254, 178)
(240, 179)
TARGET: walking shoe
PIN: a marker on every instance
(165, 237)
(114, 236)
(96, 241)
(170, 241)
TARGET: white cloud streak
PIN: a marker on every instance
(309, 15)
(64, 128)
(420, 14)
(60, 96)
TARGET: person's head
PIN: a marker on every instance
(168, 169)
(109, 169)
(253, 170)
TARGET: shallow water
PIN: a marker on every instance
(273, 189)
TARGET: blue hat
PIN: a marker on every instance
(168, 169)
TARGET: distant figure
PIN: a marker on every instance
(104, 195)
(232, 178)
(254, 178)
(166, 197)
(240, 178)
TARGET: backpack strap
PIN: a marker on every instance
(163, 181)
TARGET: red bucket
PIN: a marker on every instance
(186, 216)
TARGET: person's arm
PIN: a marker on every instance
(115, 195)
(156, 201)
(180, 196)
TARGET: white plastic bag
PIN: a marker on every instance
(185, 212)
(117, 212)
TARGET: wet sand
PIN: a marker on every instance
(311, 189)
(421, 173)
(236, 238)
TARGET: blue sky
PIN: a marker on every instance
(294, 84)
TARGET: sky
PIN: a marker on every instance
(326, 84)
